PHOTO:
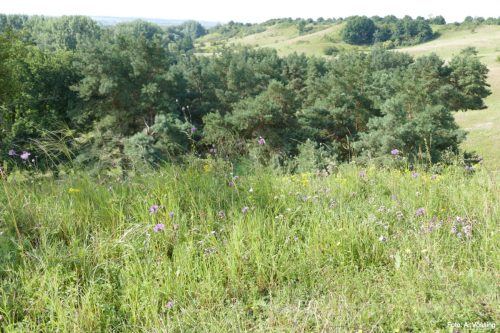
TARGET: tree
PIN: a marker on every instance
(438, 20)
(468, 76)
(359, 30)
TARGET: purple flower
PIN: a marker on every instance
(154, 209)
(467, 231)
(420, 211)
(454, 229)
(362, 173)
(433, 177)
(395, 152)
(193, 129)
(25, 155)
(221, 214)
(159, 227)
(261, 141)
(469, 168)
(414, 174)
(245, 209)
(12, 152)
(171, 214)
(169, 305)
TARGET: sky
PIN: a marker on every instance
(253, 11)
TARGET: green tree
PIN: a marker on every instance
(359, 30)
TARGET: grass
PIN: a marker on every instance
(344, 252)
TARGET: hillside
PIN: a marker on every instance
(285, 38)
(483, 126)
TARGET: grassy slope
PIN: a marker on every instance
(344, 253)
(483, 125)
(285, 38)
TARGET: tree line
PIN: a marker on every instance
(113, 97)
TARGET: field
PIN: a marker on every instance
(211, 246)
(203, 249)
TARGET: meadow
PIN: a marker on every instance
(182, 226)
(206, 247)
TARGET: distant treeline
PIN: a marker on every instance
(112, 97)
(361, 30)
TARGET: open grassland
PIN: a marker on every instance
(199, 249)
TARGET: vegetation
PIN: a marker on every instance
(111, 98)
(199, 248)
(146, 187)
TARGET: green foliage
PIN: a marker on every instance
(405, 31)
(330, 50)
(359, 30)
(437, 20)
(135, 94)
(318, 252)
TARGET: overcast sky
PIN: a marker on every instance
(253, 10)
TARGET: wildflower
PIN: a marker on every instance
(25, 155)
(73, 190)
(433, 177)
(420, 211)
(169, 305)
(171, 214)
(362, 173)
(159, 227)
(467, 231)
(414, 174)
(382, 238)
(12, 152)
(221, 215)
(193, 129)
(154, 209)
(250, 190)
(395, 152)
(261, 141)
(230, 184)
(469, 168)
(245, 209)
(454, 229)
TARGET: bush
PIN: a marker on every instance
(330, 50)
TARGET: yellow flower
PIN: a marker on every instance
(207, 168)
(73, 190)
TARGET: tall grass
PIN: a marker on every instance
(345, 252)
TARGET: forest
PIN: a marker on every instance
(118, 97)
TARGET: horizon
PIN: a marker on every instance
(252, 13)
